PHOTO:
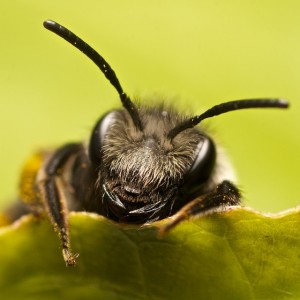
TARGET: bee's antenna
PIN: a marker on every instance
(226, 107)
(100, 62)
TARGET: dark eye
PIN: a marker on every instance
(202, 167)
(98, 135)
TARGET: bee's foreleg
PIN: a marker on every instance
(54, 194)
(225, 195)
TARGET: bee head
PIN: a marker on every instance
(142, 172)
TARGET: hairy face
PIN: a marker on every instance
(145, 170)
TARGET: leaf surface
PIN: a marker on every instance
(240, 254)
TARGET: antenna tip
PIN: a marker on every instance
(48, 23)
(284, 103)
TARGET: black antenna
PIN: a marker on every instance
(226, 107)
(100, 62)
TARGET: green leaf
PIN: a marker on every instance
(236, 255)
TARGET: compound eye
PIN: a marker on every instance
(202, 167)
(98, 135)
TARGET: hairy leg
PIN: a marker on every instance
(224, 196)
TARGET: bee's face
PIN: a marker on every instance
(142, 173)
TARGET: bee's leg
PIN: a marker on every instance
(53, 191)
(224, 196)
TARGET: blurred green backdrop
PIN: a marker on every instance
(194, 53)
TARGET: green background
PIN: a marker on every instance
(192, 53)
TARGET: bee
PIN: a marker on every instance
(141, 164)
